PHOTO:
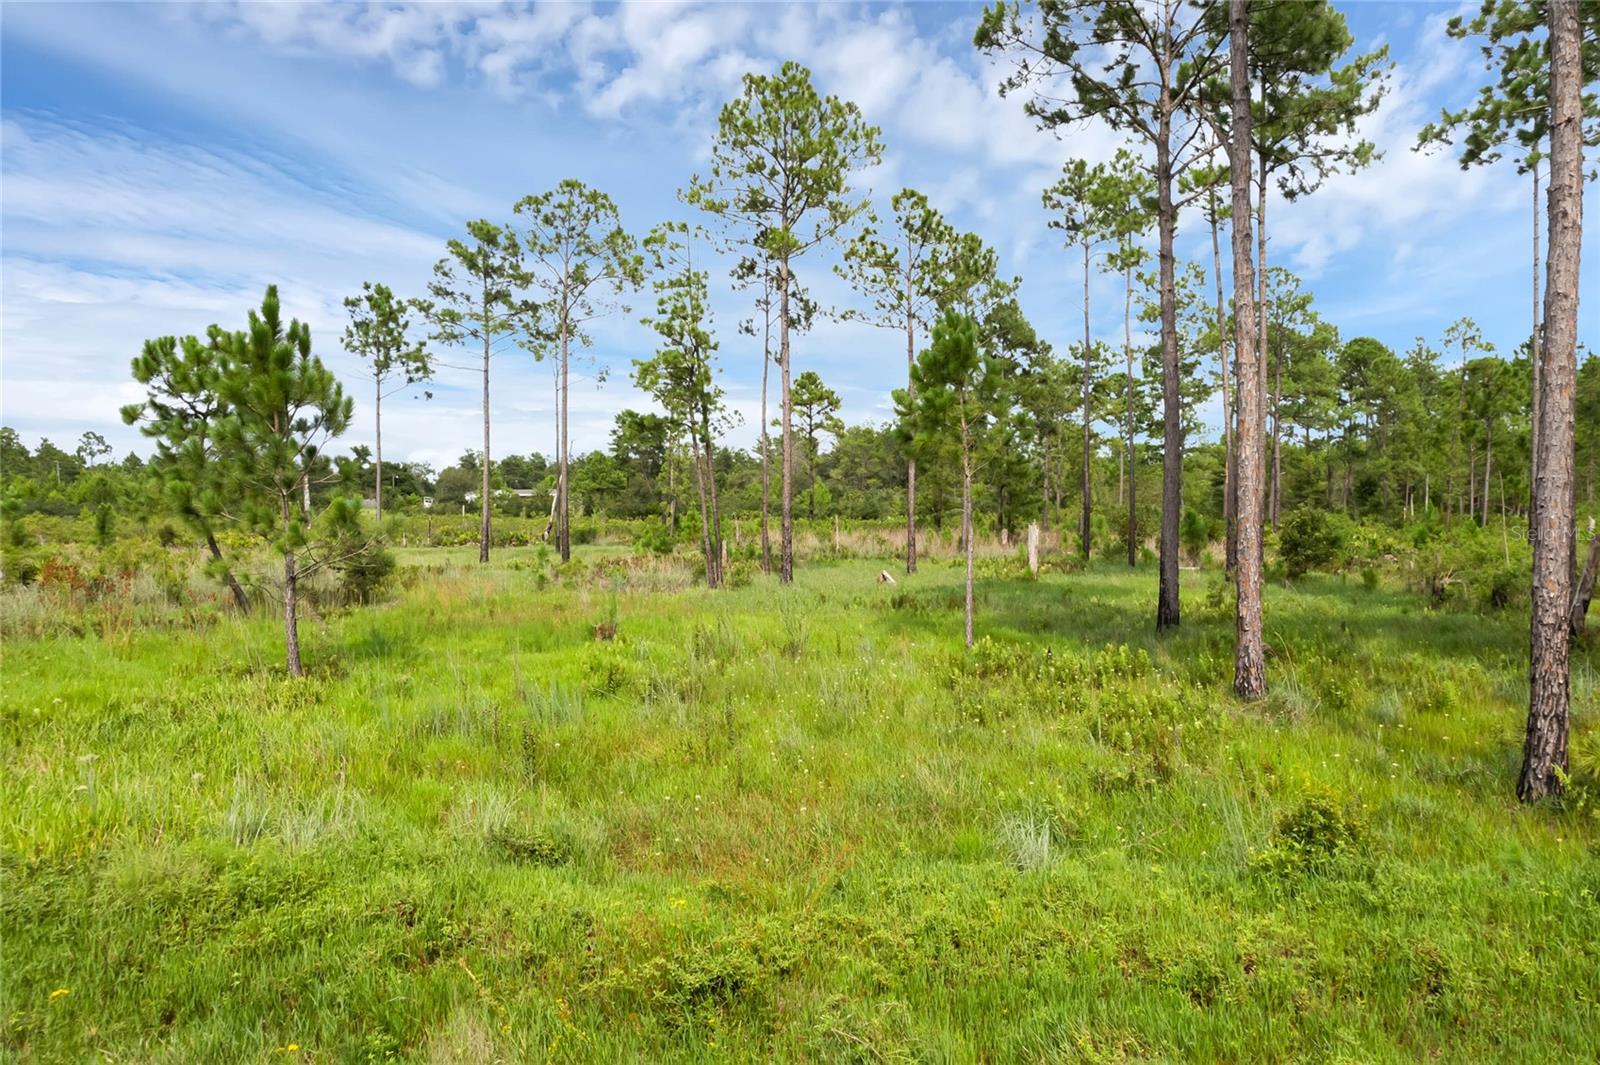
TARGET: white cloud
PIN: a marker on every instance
(389, 124)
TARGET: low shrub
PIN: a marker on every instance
(1320, 834)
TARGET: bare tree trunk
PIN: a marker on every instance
(1533, 355)
(483, 499)
(1167, 603)
(1505, 535)
(240, 600)
(1263, 303)
(377, 452)
(911, 394)
(1044, 491)
(766, 442)
(705, 509)
(966, 523)
(1127, 355)
(564, 512)
(291, 621)
(1087, 504)
(555, 497)
(1456, 442)
(1263, 299)
(1250, 672)
(1277, 430)
(1229, 474)
(718, 549)
(1544, 762)
(1488, 466)
(786, 532)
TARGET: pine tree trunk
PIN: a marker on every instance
(1250, 674)
(1456, 448)
(1087, 504)
(1127, 355)
(811, 494)
(1044, 486)
(1533, 355)
(966, 523)
(483, 499)
(1277, 431)
(1167, 604)
(718, 550)
(1263, 308)
(240, 600)
(786, 531)
(1229, 473)
(766, 442)
(1122, 476)
(1545, 747)
(377, 453)
(564, 512)
(911, 395)
(291, 590)
(1488, 466)
(705, 508)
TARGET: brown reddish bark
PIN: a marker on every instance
(1250, 675)
(1167, 602)
(1544, 762)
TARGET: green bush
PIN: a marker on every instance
(1311, 539)
(1195, 533)
(1315, 837)
(653, 539)
(364, 574)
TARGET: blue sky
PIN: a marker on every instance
(163, 163)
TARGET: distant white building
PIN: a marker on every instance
(520, 493)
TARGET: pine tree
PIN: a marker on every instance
(474, 300)
(181, 413)
(379, 335)
(579, 259)
(779, 178)
(958, 390)
(903, 275)
(682, 377)
(1141, 68)
(283, 405)
(817, 407)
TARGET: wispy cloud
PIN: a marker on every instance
(162, 165)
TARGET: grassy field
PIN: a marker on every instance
(793, 824)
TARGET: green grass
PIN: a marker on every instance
(794, 824)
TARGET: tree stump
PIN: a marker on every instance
(1033, 548)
